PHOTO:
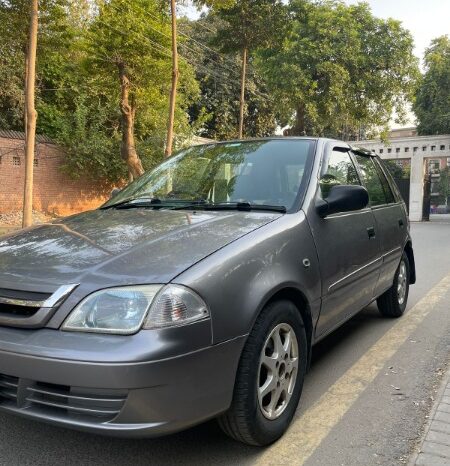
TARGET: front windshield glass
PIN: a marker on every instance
(264, 172)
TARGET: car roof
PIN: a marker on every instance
(356, 149)
(268, 138)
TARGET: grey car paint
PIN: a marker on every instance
(106, 248)
(236, 261)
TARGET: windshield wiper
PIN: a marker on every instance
(156, 203)
(245, 206)
(133, 202)
(180, 204)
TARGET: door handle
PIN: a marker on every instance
(371, 232)
(400, 223)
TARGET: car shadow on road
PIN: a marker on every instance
(29, 442)
(368, 317)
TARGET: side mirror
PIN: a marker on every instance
(114, 192)
(343, 198)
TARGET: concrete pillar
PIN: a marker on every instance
(416, 188)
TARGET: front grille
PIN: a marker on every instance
(30, 309)
(61, 401)
(20, 304)
(8, 387)
(17, 311)
(24, 295)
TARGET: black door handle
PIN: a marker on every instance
(400, 223)
(371, 232)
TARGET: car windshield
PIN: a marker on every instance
(261, 172)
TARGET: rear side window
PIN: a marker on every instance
(340, 171)
(386, 186)
(375, 182)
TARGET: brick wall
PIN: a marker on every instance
(54, 191)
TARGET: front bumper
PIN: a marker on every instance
(130, 399)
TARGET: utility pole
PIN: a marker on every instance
(175, 73)
(31, 116)
(242, 98)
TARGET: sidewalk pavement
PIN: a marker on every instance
(440, 218)
(435, 448)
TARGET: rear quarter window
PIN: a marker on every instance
(375, 182)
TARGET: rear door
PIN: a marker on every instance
(347, 246)
(390, 218)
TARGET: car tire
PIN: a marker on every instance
(393, 302)
(255, 418)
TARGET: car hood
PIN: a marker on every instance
(110, 247)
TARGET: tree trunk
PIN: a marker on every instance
(175, 73)
(242, 98)
(31, 117)
(299, 127)
(128, 111)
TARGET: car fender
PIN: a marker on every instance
(237, 281)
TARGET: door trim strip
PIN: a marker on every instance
(333, 285)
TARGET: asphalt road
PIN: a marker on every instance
(365, 401)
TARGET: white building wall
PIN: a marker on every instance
(418, 149)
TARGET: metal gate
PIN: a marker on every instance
(426, 198)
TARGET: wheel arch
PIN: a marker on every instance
(412, 264)
(296, 296)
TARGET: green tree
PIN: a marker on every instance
(131, 40)
(52, 31)
(120, 100)
(214, 113)
(397, 171)
(120, 43)
(13, 37)
(246, 26)
(340, 69)
(444, 184)
(432, 104)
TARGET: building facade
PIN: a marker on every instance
(422, 154)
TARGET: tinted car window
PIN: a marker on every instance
(259, 172)
(385, 183)
(372, 181)
(340, 171)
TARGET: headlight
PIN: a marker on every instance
(124, 310)
(115, 310)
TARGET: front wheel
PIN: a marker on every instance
(392, 303)
(270, 377)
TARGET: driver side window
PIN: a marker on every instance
(340, 171)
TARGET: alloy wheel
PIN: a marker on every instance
(278, 367)
(401, 283)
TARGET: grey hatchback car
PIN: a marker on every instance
(199, 290)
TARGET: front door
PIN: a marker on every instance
(347, 244)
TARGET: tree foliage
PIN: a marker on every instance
(444, 184)
(432, 104)
(245, 26)
(216, 111)
(78, 87)
(52, 35)
(340, 68)
(321, 66)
